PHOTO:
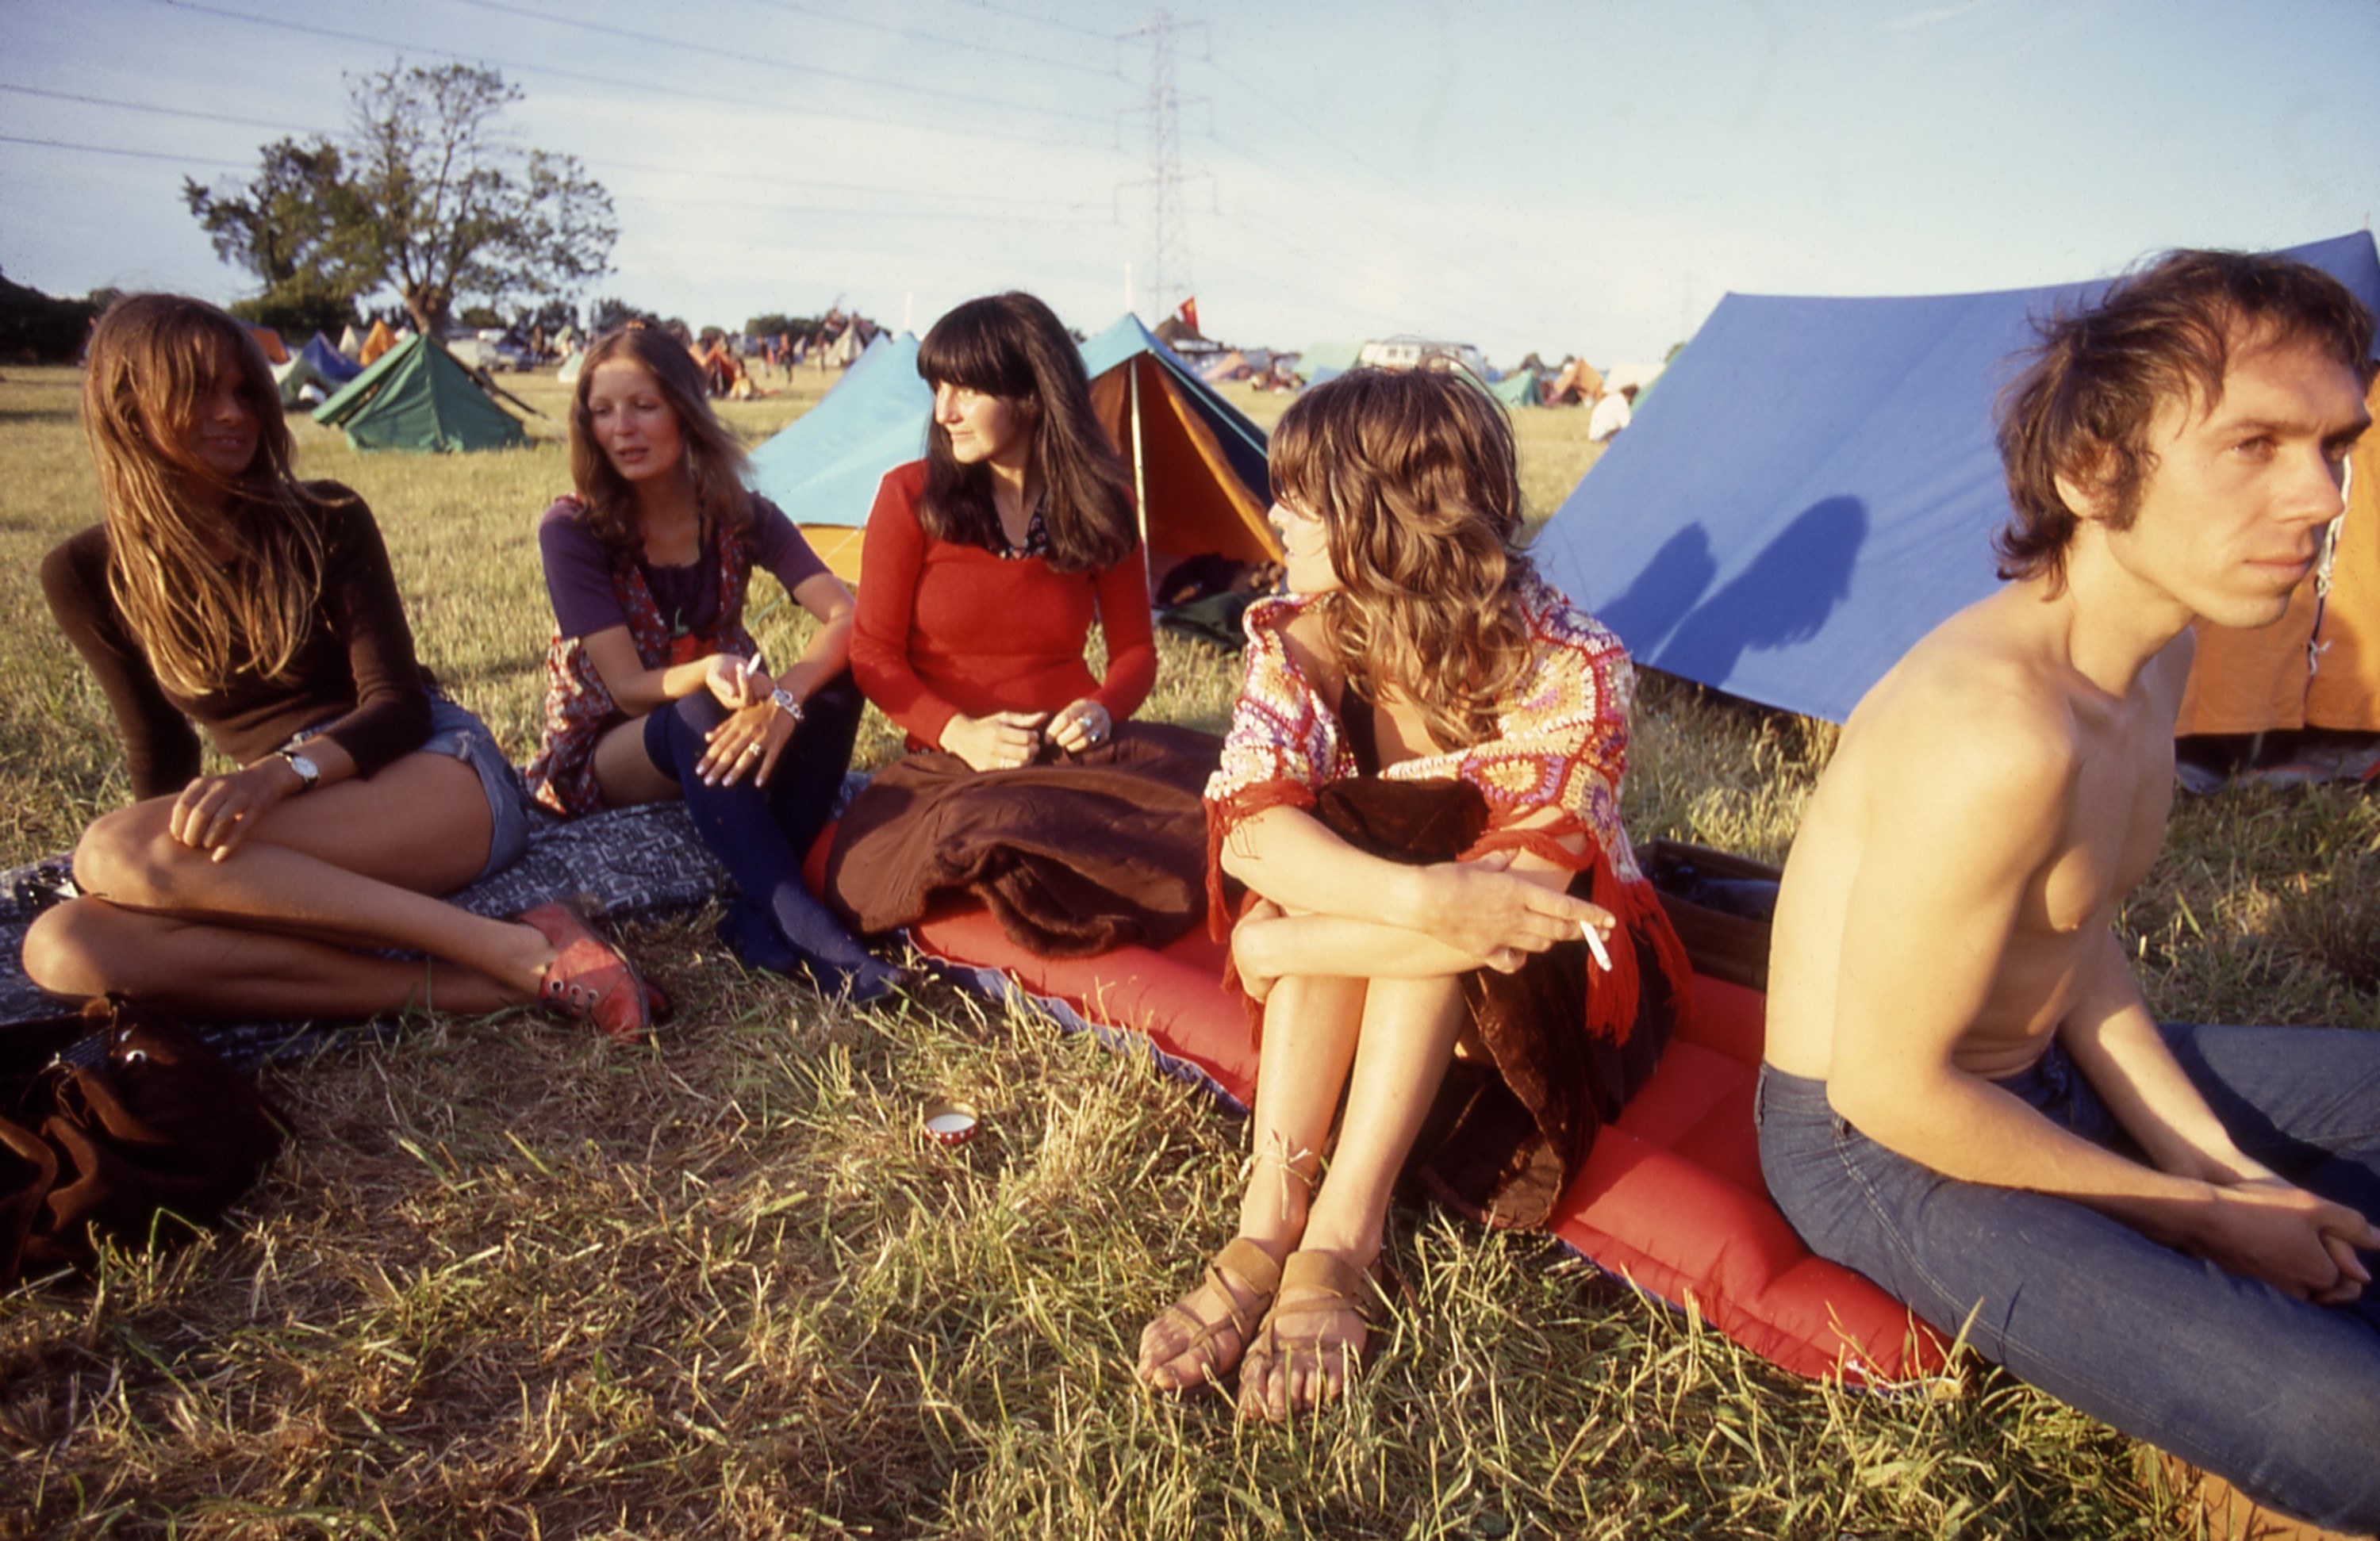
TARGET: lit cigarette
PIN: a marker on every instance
(1595, 945)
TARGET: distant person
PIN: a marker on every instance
(1421, 793)
(986, 564)
(1965, 1097)
(1612, 413)
(223, 592)
(654, 688)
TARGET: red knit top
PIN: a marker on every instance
(945, 628)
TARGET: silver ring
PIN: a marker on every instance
(753, 747)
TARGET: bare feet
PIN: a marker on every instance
(1311, 1341)
(1197, 1338)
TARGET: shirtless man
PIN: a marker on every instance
(1965, 1098)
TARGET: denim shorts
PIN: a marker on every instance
(454, 731)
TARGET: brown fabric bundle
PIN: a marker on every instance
(1507, 1131)
(137, 1119)
(1073, 856)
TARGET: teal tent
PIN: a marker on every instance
(823, 470)
(1518, 389)
(419, 396)
(1326, 360)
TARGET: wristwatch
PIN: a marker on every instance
(309, 773)
(787, 702)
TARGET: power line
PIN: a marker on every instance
(113, 149)
(1109, 72)
(616, 82)
(872, 81)
(148, 107)
(597, 163)
(1042, 20)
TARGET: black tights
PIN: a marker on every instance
(760, 834)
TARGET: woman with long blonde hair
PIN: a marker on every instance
(222, 593)
(1443, 920)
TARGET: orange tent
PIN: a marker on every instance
(1198, 464)
(379, 340)
(2318, 666)
(270, 341)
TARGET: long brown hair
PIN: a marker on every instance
(1412, 473)
(2082, 407)
(1012, 346)
(200, 616)
(713, 455)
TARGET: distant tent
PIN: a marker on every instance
(379, 342)
(1578, 382)
(1816, 486)
(1326, 360)
(276, 352)
(1518, 389)
(845, 350)
(823, 470)
(1198, 463)
(1225, 367)
(350, 344)
(419, 396)
(318, 365)
(568, 374)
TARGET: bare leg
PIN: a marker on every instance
(1408, 1033)
(350, 865)
(1309, 1040)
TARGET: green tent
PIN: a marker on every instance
(1518, 389)
(417, 396)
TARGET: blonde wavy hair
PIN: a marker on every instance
(206, 595)
(1413, 476)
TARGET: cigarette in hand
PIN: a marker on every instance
(1595, 945)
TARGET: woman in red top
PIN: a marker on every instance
(985, 565)
(222, 590)
(654, 688)
(1421, 793)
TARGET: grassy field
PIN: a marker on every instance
(509, 1282)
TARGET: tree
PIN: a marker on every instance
(292, 227)
(426, 196)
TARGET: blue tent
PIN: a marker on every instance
(1198, 463)
(1816, 486)
(823, 469)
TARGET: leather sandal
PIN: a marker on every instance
(1317, 1288)
(589, 979)
(1243, 1264)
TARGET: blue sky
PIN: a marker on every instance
(1583, 176)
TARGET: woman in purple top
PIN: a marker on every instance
(655, 689)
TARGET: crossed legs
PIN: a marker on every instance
(270, 931)
(1384, 1043)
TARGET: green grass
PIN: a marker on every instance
(511, 1283)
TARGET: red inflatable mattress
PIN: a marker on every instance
(1670, 1199)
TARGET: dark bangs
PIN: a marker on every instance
(974, 347)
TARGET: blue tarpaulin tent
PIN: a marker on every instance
(1816, 486)
(823, 470)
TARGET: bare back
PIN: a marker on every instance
(1959, 867)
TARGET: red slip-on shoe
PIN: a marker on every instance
(589, 979)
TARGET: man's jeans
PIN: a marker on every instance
(2279, 1396)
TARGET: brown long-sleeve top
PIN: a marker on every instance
(355, 670)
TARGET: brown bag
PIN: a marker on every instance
(116, 1123)
(1720, 904)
